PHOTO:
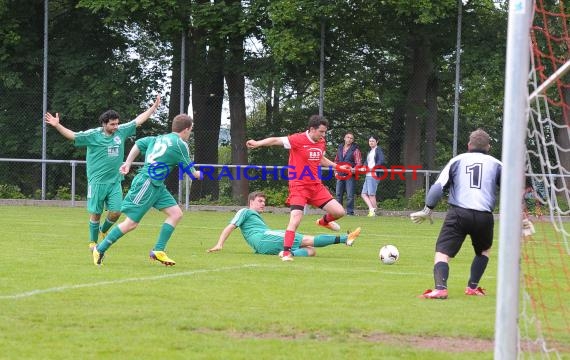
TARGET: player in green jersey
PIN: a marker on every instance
(105, 153)
(162, 154)
(270, 242)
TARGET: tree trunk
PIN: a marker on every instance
(421, 68)
(206, 61)
(236, 87)
(431, 121)
(396, 138)
(235, 81)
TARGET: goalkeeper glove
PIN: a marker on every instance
(420, 216)
(527, 227)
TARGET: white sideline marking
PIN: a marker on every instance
(121, 281)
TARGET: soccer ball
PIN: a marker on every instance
(389, 254)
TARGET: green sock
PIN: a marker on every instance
(165, 233)
(93, 231)
(106, 225)
(326, 240)
(110, 239)
(301, 252)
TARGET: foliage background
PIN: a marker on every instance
(254, 67)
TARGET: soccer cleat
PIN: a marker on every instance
(162, 257)
(352, 237)
(434, 294)
(333, 225)
(93, 244)
(97, 256)
(288, 257)
(475, 292)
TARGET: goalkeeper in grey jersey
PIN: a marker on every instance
(472, 179)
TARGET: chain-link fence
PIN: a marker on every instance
(65, 176)
(80, 89)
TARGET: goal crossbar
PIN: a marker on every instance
(551, 79)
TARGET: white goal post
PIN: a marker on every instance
(533, 312)
(512, 178)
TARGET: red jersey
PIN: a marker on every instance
(304, 158)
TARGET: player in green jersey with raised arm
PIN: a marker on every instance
(162, 154)
(270, 242)
(105, 153)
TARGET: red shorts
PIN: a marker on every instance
(313, 194)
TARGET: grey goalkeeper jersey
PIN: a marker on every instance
(472, 179)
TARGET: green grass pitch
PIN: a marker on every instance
(342, 304)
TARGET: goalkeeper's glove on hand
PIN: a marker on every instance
(527, 227)
(420, 216)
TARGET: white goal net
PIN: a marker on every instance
(544, 321)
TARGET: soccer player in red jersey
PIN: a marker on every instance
(306, 154)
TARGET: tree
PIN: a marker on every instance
(235, 80)
(85, 78)
(215, 31)
(389, 70)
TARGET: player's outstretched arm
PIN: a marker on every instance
(54, 121)
(327, 162)
(337, 166)
(146, 115)
(270, 141)
(223, 237)
(126, 167)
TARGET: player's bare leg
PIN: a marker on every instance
(370, 201)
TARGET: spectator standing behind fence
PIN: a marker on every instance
(374, 158)
(162, 154)
(105, 153)
(348, 152)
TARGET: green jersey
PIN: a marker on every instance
(251, 225)
(162, 154)
(105, 153)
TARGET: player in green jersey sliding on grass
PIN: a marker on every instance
(270, 242)
(105, 153)
(162, 154)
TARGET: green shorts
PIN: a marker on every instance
(271, 242)
(143, 196)
(101, 196)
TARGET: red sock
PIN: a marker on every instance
(327, 218)
(288, 240)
